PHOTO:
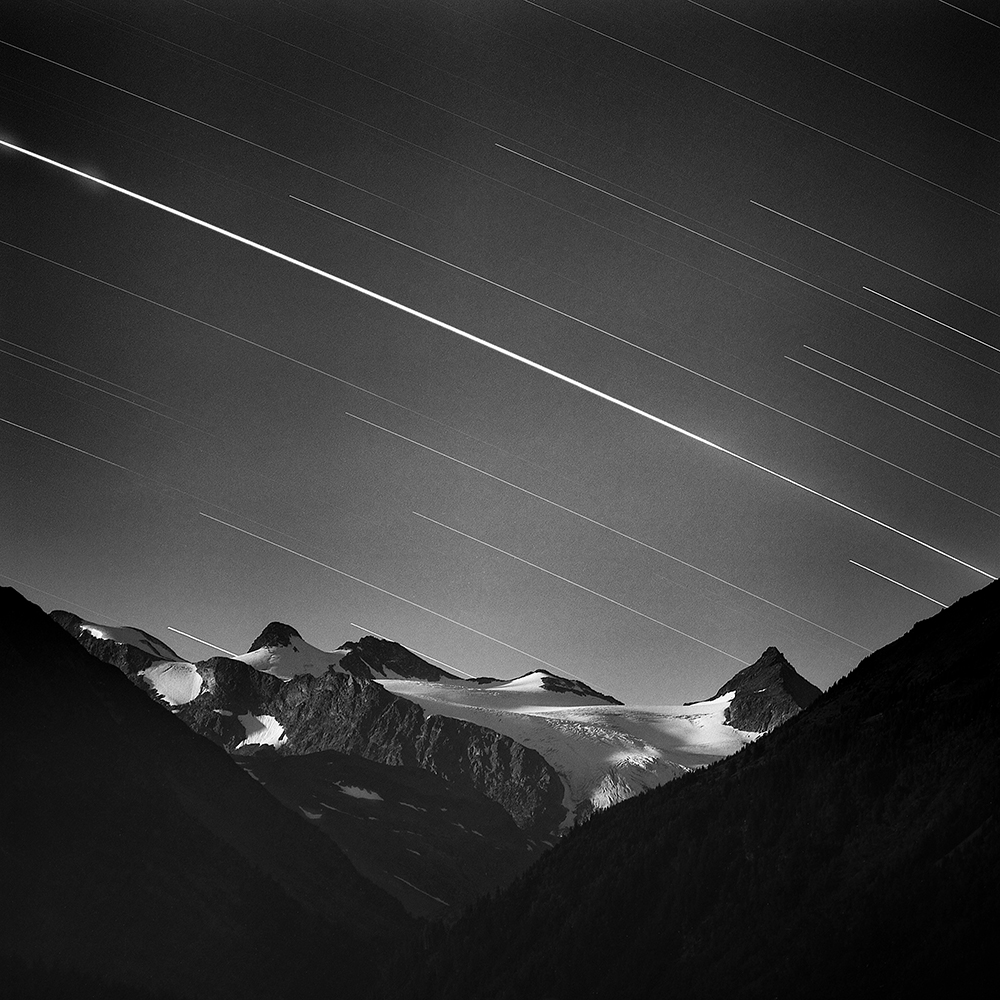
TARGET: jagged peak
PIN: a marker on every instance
(274, 634)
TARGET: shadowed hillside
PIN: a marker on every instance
(855, 848)
(138, 854)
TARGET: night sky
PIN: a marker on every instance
(649, 198)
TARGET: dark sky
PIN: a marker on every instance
(637, 139)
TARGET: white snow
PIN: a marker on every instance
(604, 753)
(297, 658)
(131, 637)
(176, 682)
(359, 793)
(417, 808)
(310, 815)
(264, 730)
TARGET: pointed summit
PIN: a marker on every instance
(275, 634)
(767, 693)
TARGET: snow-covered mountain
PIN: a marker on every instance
(603, 752)
(547, 750)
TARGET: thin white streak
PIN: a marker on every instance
(566, 315)
(73, 447)
(96, 388)
(389, 593)
(263, 347)
(919, 399)
(385, 300)
(66, 364)
(756, 260)
(607, 527)
(850, 246)
(204, 642)
(421, 891)
(124, 468)
(939, 322)
(969, 12)
(766, 107)
(892, 406)
(580, 586)
(857, 76)
(173, 111)
(83, 607)
(412, 649)
(897, 583)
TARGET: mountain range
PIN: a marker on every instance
(266, 821)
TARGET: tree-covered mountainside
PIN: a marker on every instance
(855, 849)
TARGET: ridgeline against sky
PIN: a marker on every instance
(658, 333)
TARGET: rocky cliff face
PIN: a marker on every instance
(344, 710)
(768, 693)
(352, 715)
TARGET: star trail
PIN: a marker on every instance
(556, 275)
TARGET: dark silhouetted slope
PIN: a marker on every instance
(138, 852)
(855, 850)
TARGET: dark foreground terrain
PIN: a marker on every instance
(853, 851)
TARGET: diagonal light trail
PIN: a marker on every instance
(489, 345)
(939, 322)
(65, 364)
(756, 260)
(850, 246)
(263, 347)
(381, 590)
(412, 649)
(96, 388)
(897, 583)
(83, 607)
(766, 107)
(607, 527)
(660, 357)
(992, 24)
(580, 586)
(857, 76)
(919, 399)
(892, 406)
(204, 642)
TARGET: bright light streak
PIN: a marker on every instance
(897, 583)
(576, 319)
(412, 649)
(756, 260)
(580, 586)
(264, 347)
(857, 76)
(766, 107)
(385, 300)
(892, 406)
(660, 357)
(919, 399)
(871, 256)
(947, 326)
(381, 590)
(204, 642)
(607, 527)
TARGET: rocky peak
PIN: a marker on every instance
(275, 634)
(768, 692)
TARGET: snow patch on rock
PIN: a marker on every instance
(359, 793)
(264, 730)
(176, 683)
